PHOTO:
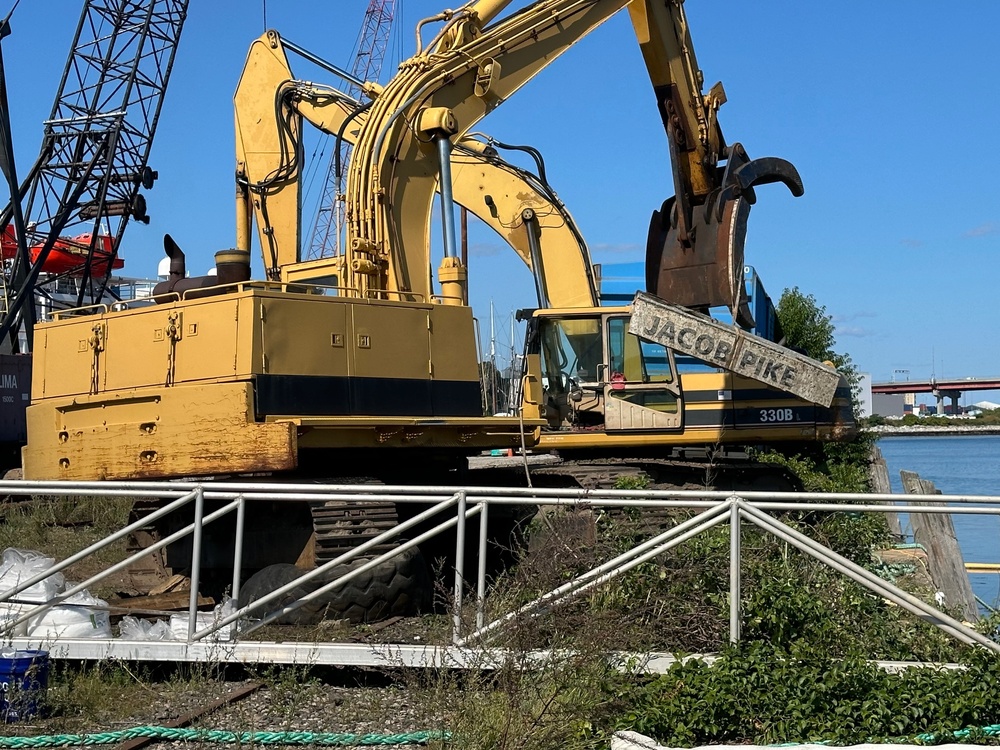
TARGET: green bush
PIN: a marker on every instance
(758, 693)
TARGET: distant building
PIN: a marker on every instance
(890, 404)
(865, 405)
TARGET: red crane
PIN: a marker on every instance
(84, 187)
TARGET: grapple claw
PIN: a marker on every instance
(705, 268)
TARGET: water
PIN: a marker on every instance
(958, 465)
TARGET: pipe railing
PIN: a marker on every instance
(713, 508)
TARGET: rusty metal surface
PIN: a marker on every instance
(733, 349)
(695, 253)
(705, 272)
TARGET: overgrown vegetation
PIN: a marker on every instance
(802, 672)
(836, 466)
(756, 693)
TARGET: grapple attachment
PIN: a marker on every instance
(697, 260)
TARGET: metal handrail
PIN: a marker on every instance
(193, 528)
(715, 508)
(503, 495)
(339, 560)
(97, 546)
(610, 569)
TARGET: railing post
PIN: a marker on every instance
(484, 504)
(241, 510)
(456, 632)
(734, 570)
(199, 514)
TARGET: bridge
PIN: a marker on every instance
(941, 389)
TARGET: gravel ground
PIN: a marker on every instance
(288, 700)
(316, 707)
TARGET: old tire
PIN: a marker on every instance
(273, 577)
(399, 586)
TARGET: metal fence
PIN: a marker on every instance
(457, 507)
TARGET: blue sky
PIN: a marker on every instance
(887, 109)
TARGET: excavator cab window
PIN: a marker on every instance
(596, 374)
(572, 355)
(571, 350)
(635, 360)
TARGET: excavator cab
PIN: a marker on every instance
(586, 372)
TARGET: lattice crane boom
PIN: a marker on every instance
(373, 41)
(93, 159)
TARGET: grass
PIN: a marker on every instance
(556, 699)
(87, 697)
(61, 526)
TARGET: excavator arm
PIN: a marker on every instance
(524, 210)
(694, 251)
(270, 106)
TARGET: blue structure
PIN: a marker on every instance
(620, 281)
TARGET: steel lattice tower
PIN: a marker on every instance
(372, 44)
(94, 153)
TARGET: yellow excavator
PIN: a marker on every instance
(359, 365)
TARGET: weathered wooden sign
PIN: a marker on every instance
(732, 348)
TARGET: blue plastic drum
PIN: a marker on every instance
(24, 678)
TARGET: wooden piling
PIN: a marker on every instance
(935, 532)
(879, 475)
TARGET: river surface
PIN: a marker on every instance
(958, 465)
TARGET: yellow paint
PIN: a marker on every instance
(982, 567)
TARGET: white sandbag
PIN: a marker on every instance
(18, 565)
(80, 616)
(179, 623)
(8, 614)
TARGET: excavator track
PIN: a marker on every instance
(593, 472)
(670, 474)
(342, 525)
(733, 473)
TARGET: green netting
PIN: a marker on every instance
(218, 735)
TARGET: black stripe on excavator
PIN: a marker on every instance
(320, 395)
(709, 418)
(757, 394)
(765, 416)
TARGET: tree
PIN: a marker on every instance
(809, 329)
